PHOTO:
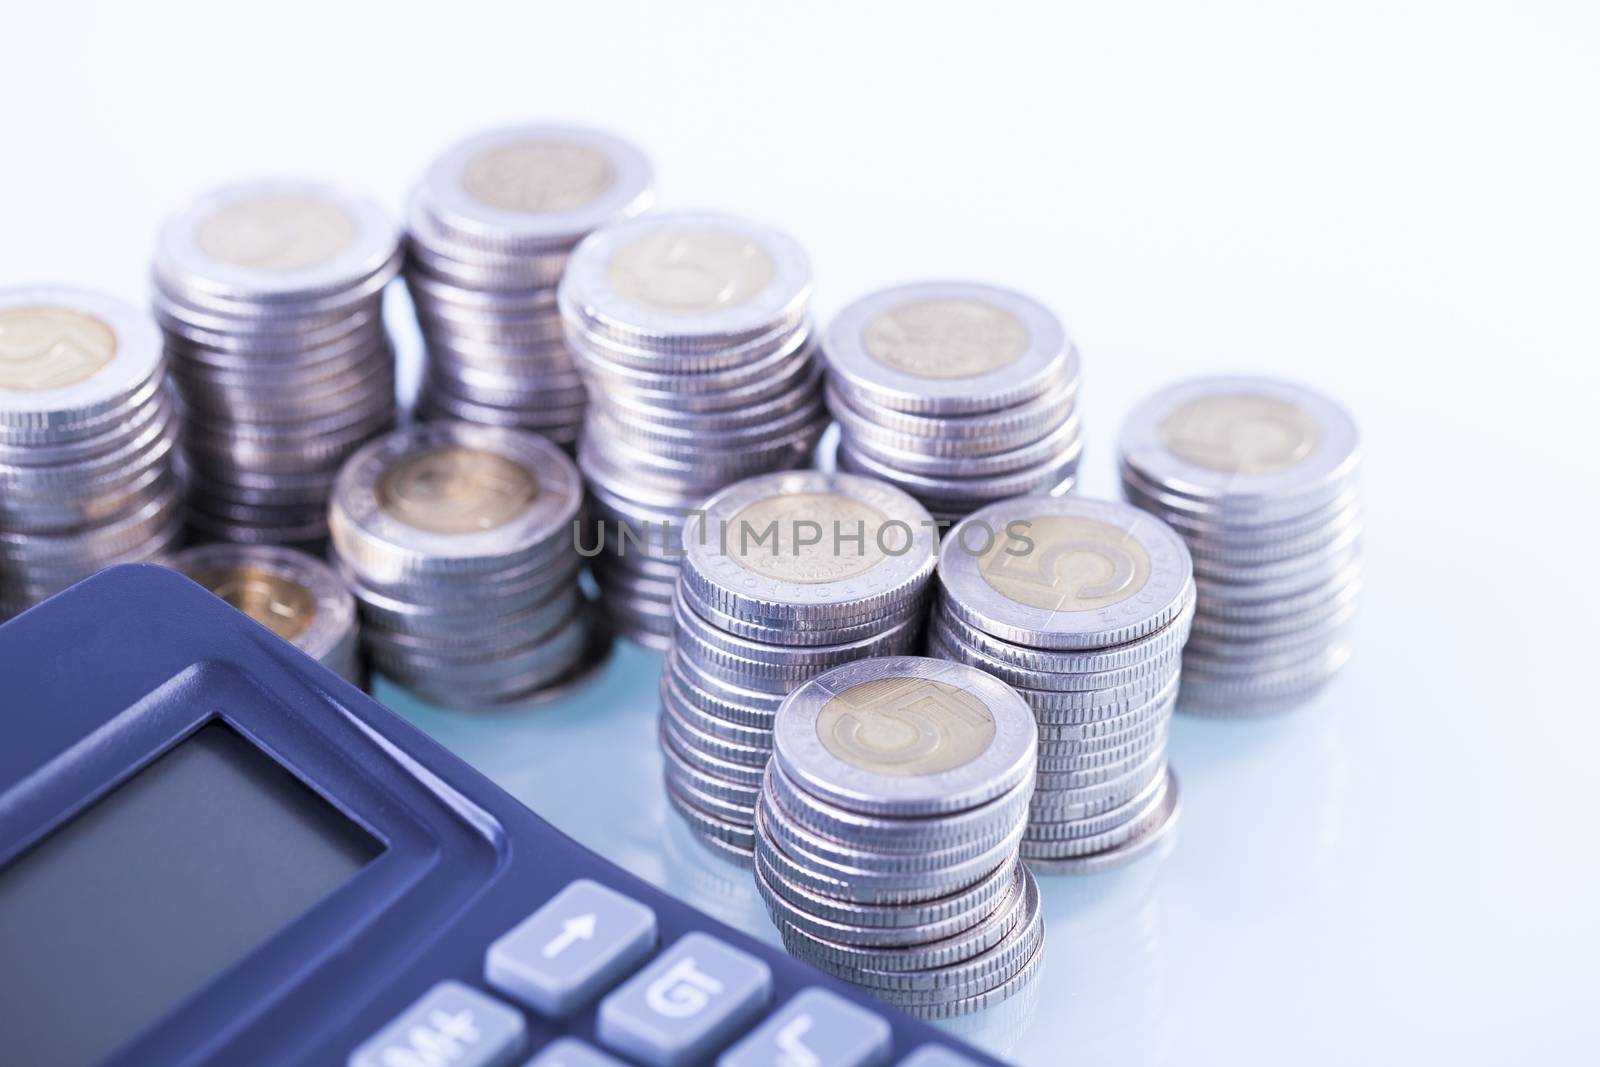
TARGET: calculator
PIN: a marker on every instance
(215, 851)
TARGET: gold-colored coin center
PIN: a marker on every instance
(954, 338)
(1240, 433)
(48, 347)
(905, 726)
(1073, 564)
(284, 607)
(456, 490)
(276, 233)
(538, 177)
(809, 537)
(690, 271)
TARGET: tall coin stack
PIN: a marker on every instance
(786, 575)
(1083, 606)
(457, 541)
(490, 227)
(296, 596)
(1260, 478)
(960, 394)
(693, 334)
(887, 829)
(87, 433)
(271, 296)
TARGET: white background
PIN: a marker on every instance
(1395, 202)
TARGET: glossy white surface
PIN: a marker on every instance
(1393, 202)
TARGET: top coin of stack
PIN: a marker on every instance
(490, 227)
(296, 596)
(694, 336)
(1260, 478)
(270, 294)
(1083, 606)
(786, 575)
(457, 541)
(959, 393)
(887, 829)
(87, 432)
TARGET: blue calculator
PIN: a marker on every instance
(215, 851)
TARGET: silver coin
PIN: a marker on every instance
(1152, 837)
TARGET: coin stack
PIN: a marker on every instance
(490, 227)
(457, 541)
(1083, 606)
(960, 394)
(693, 334)
(296, 596)
(786, 575)
(1260, 478)
(887, 830)
(270, 294)
(87, 432)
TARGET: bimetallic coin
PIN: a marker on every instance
(905, 736)
(948, 348)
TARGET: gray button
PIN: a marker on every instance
(686, 1005)
(815, 1029)
(451, 1025)
(570, 1052)
(937, 1056)
(578, 945)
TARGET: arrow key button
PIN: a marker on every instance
(583, 941)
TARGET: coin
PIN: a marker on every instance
(296, 596)
(1260, 478)
(693, 335)
(458, 542)
(489, 228)
(269, 294)
(87, 434)
(887, 831)
(959, 393)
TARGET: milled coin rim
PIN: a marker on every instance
(1049, 354)
(470, 221)
(1334, 459)
(981, 605)
(137, 359)
(1008, 759)
(183, 267)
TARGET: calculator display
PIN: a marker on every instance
(155, 890)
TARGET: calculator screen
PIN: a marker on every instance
(157, 888)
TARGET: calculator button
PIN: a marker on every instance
(687, 1004)
(451, 1025)
(570, 1052)
(937, 1056)
(815, 1029)
(579, 944)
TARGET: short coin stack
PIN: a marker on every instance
(1260, 478)
(1083, 606)
(296, 596)
(457, 541)
(887, 829)
(271, 297)
(959, 393)
(694, 336)
(87, 433)
(490, 227)
(786, 575)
